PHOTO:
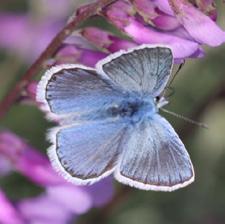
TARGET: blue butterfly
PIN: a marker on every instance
(109, 121)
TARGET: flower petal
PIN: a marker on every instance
(43, 210)
(120, 13)
(166, 22)
(19, 33)
(104, 39)
(199, 26)
(70, 53)
(8, 214)
(101, 192)
(141, 34)
(164, 6)
(27, 160)
(146, 9)
(208, 7)
(72, 198)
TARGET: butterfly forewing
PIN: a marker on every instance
(72, 89)
(142, 70)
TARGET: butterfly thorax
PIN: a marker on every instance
(134, 110)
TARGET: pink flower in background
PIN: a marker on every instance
(26, 160)
(59, 204)
(5, 167)
(199, 26)
(71, 53)
(182, 27)
(106, 40)
(25, 37)
(8, 213)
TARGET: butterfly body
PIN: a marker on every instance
(109, 121)
(133, 110)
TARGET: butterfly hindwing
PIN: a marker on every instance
(145, 69)
(154, 158)
(87, 152)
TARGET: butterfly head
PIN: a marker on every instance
(160, 101)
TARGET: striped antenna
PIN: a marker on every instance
(185, 118)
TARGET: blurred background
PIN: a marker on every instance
(199, 93)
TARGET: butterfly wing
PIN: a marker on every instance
(144, 69)
(154, 158)
(69, 89)
(85, 153)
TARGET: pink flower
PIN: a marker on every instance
(19, 33)
(71, 53)
(183, 27)
(201, 27)
(105, 40)
(8, 213)
(27, 160)
(141, 33)
(59, 204)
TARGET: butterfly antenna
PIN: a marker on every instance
(171, 93)
(174, 76)
(185, 118)
(176, 73)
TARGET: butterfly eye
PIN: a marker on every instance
(157, 99)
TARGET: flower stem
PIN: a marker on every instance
(14, 93)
